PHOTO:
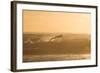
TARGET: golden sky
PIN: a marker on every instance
(53, 22)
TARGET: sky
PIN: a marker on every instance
(56, 22)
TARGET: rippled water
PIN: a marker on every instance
(36, 58)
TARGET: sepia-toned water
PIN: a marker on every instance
(36, 58)
(56, 47)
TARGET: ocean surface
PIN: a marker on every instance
(55, 47)
(61, 57)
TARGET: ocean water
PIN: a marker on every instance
(65, 57)
(55, 47)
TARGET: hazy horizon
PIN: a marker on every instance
(55, 33)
